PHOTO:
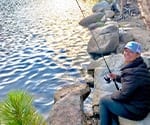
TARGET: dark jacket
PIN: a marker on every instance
(135, 91)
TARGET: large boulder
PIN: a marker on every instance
(94, 18)
(114, 61)
(104, 40)
(146, 57)
(95, 25)
(101, 6)
(68, 107)
(125, 36)
(109, 13)
(82, 89)
(135, 31)
(67, 111)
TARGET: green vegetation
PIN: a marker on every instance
(17, 109)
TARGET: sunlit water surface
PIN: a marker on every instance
(42, 47)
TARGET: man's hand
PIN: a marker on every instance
(112, 76)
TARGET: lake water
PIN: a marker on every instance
(42, 47)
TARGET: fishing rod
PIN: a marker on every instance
(98, 46)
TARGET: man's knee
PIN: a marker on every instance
(105, 100)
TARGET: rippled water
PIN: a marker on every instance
(42, 47)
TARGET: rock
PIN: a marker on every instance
(82, 89)
(114, 61)
(112, 23)
(94, 18)
(146, 57)
(125, 36)
(100, 6)
(106, 29)
(146, 121)
(104, 19)
(67, 111)
(142, 36)
(120, 47)
(95, 25)
(104, 40)
(89, 80)
(109, 13)
(68, 106)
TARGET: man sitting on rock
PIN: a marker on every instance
(132, 101)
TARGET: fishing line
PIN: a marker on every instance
(98, 46)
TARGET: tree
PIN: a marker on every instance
(17, 109)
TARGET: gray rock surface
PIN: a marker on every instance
(94, 18)
(82, 89)
(68, 106)
(67, 111)
(101, 6)
(104, 40)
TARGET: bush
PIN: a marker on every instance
(17, 109)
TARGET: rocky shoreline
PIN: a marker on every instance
(108, 35)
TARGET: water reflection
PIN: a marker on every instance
(41, 47)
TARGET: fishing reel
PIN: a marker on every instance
(107, 79)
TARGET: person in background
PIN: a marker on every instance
(132, 101)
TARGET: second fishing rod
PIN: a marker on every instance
(117, 87)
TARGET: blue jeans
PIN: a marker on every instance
(110, 110)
